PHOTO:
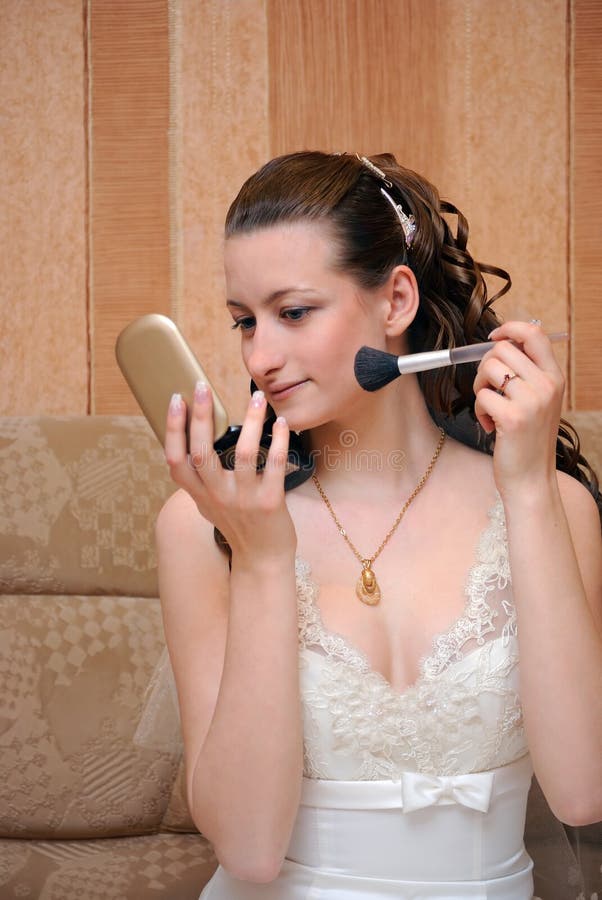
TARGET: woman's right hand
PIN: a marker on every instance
(247, 506)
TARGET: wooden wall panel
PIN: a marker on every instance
(187, 97)
(222, 136)
(470, 94)
(342, 73)
(515, 134)
(43, 338)
(586, 236)
(129, 178)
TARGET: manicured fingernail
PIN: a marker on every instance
(491, 333)
(201, 391)
(175, 404)
(281, 420)
(257, 399)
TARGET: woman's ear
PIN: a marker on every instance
(403, 298)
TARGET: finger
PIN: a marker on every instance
(277, 459)
(511, 359)
(246, 452)
(499, 377)
(544, 385)
(489, 408)
(176, 453)
(175, 434)
(503, 360)
(203, 458)
(532, 340)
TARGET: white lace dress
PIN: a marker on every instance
(420, 795)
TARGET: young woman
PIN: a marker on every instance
(348, 674)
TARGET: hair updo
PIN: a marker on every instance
(341, 192)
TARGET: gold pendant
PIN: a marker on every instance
(367, 588)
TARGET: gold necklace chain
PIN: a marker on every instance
(367, 588)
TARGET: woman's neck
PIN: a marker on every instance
(384, 446)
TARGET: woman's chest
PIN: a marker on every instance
(422, 586)
(397, 633)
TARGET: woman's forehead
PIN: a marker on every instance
(304, 247)
(304, 234)
(272, 263)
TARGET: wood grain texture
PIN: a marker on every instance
(222, 137)
(129, 197)
(43, 338)
(586, 235)
(473, 95)
(350, 75)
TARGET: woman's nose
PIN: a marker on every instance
(265, 355)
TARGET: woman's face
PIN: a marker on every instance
(301, 321)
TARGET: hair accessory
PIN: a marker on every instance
(507, 377)
(408, 223)
(367, 588)
(375, 170)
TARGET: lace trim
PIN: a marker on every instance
(436, 727)
(490, 571)
(311, 627)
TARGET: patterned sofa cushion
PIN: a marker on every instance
(80, 635)
(161, 867)
(80, 495)
(73, 670)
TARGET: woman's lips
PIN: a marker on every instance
(287, 391)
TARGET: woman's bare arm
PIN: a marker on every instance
(555, 551)
(232, 637)
(233, 645)
(556, 561)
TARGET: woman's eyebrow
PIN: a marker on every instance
(275, 295)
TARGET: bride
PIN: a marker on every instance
(371, 672)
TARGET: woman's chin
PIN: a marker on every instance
(299, 423)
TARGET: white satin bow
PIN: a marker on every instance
(420, 790)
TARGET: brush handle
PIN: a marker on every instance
(420, 362)
(436, 359)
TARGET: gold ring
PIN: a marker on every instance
(507, 377)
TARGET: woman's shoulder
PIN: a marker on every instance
(183, 536)
(180, 512)
(576, 498)
(477, 466)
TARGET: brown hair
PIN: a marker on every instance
(455, 309)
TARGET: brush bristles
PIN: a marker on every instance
(375, 368)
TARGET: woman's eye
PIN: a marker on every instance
(244, 323)
(295, 314)
(291, 314)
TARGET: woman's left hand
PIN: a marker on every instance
(526, 416)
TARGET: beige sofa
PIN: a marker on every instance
(85, 813)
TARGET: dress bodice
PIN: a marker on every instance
(462, 714)
(413, 795)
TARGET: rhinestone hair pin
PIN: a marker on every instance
(408, 223)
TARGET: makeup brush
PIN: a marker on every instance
(376, 368)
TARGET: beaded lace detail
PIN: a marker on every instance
(463, 712)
